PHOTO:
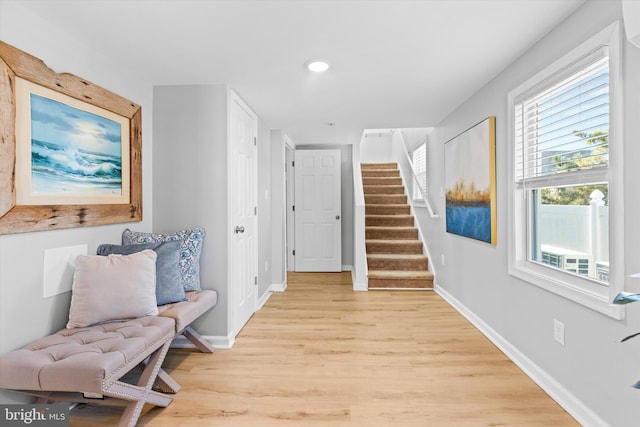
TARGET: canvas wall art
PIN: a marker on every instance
(470, 183)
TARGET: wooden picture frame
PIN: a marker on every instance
(470, 182)
(15, 217)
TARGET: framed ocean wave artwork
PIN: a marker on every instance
(78, 153)
(71, 152)
(470, 183)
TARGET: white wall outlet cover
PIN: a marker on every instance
(59, 265)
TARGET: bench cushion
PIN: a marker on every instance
(84, 359)
(185, 312)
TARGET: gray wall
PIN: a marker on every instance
(24, 314)
(278, 209)
(190, 181)
(593, 367)
(375, 148)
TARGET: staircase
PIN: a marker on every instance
(394, 250)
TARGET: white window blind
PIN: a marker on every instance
(562, 130)
(419, 160)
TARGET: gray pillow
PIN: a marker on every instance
(169, 286)
(113, 287)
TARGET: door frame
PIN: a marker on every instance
(290, 201)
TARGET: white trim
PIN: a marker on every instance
(262, 300)
(347, 267)
(575, 407)
(217, 341)
(359, 279)
(278, 287)
(425, 249)
(571, 287)
(358, 286)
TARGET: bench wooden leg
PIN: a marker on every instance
(202, 344)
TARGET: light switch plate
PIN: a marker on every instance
(558, 331)
(58, 269)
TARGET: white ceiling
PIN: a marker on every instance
(395, 63)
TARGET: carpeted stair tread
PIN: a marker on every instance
(378, 166)
(386, 209)
(380, 279)
(392, 274)
(418, 262)
(389, 220)
(382, 180)
(383, 189)
(391, 232)
(380, 173)
(385, 199)
(385, 246)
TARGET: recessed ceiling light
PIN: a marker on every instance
(317, 65)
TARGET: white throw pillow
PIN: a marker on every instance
(113, 287)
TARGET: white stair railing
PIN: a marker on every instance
(360, 268)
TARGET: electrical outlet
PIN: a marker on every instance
(558, 331)
(442, 259)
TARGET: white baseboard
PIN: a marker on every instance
(347, 268)
(263, 299)
(578, 410)
(358, 286)
(278, 287)
(221, 342)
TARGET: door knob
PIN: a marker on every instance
(337, 216)
(238, 229)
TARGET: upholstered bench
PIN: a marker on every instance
(178, 291)
(82, 364)
(183, 314)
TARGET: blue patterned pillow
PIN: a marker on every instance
(190, 251)
(169, 284)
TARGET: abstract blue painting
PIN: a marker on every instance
(470, 183)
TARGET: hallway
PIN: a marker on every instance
(320, 354)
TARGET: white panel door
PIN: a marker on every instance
(318, 223)
(243, 204)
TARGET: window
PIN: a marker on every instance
(419, 161)
(562, 123)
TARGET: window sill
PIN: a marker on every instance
(595, 301)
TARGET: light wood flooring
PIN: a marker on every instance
(320, 354)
